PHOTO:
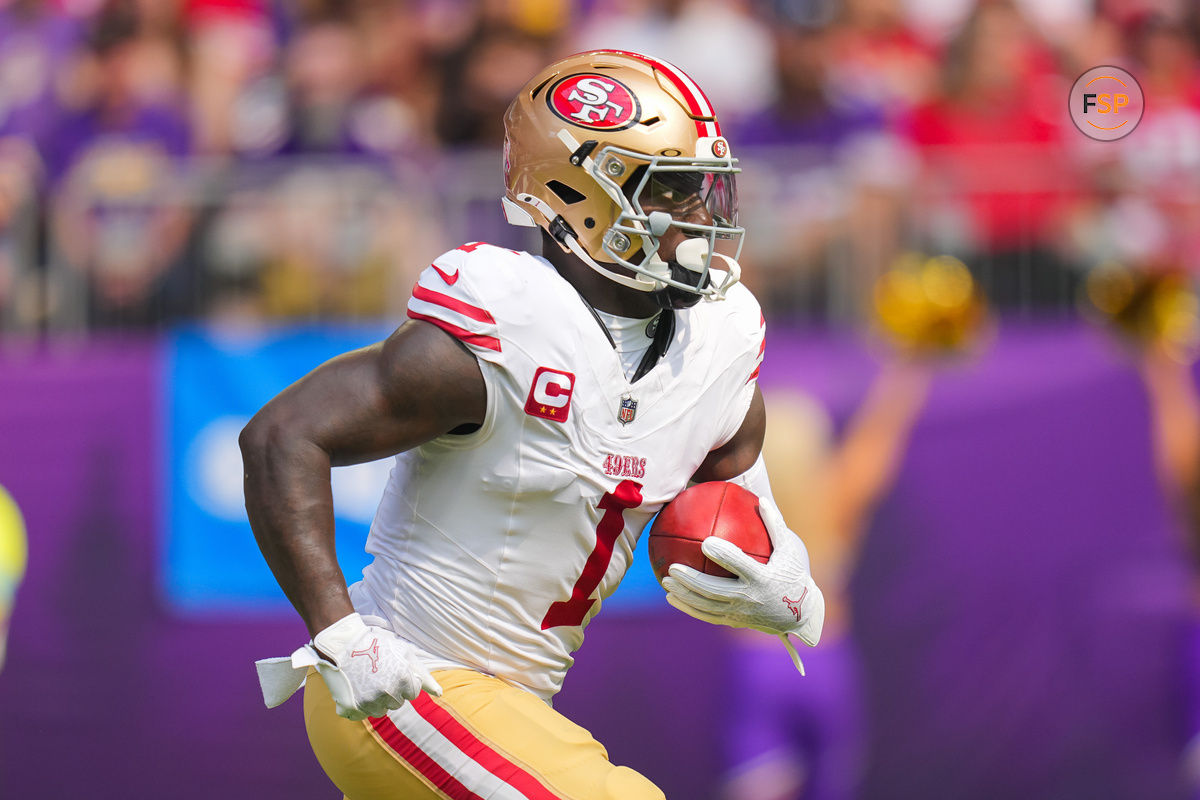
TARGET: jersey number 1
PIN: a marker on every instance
(628, 494)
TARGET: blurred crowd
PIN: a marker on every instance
(165, 160)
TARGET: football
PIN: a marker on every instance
(716, 508)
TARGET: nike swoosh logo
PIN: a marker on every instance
(450, 279)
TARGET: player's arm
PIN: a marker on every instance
(371, 403)
(1175, 432)
(865, 465)
(738, 454)
(778, 597)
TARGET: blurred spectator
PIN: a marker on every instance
(795, 738)
(1163, 154)
(1127, 12)
(1094, 40)
(829, 177)
(1144, 199)
(937, 21)
(355, 80)
(818, 88)
(401, 69)
(1165, 52)
(1175, 433)
(231, 44)
(875, 56)
(479, 80)
(325, 71)
(996, 184)
(320, 106)
(1154, 314)
(36, 46)
(116, 163)
(20, 282)
(807, 109)
(330, 236)
(720, 44)
(1057, 21)
(319, 241)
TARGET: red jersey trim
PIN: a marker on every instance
(762, 349)
(490, 342)
(452, 303)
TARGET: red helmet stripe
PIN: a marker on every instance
(697, 102)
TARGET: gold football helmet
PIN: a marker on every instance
(597, 144)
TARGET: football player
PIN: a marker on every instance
(541, 409)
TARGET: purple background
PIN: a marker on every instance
(1021, 600)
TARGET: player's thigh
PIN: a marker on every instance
(352, 754)
(481, 738)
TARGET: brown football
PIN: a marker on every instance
(716, 508)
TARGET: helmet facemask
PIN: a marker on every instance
(692, 201)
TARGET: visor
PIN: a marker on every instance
(688, 191)
(696, 196)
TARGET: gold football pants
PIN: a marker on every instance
(481, 740)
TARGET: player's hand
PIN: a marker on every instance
(368, 669)
(778, 597)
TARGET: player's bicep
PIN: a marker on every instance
(739, 453)
(380, 400)
(430, 384)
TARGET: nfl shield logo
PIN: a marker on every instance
(628, 410)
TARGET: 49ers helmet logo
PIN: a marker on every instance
(594, 101)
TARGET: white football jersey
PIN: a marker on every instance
(492, 550)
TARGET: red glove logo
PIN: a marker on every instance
(794, 605)
(372, 653)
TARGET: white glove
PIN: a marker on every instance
(372, 672)
(778, 597)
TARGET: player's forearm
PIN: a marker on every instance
(756, 481)
(290, 505)
(1175, 420)
(866, 463)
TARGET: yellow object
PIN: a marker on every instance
(928, 305)
(540, 17)
(13, 548)
(480, 728)
(1150, 306)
